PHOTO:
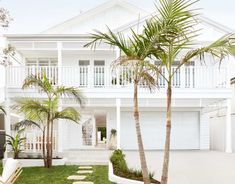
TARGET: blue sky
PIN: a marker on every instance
(34, 16)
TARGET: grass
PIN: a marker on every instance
(59, 174)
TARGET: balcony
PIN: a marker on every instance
(194, 77)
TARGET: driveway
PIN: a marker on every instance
(190, 167)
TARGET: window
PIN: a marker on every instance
(99, 63)
(41, 62)
(84, 62)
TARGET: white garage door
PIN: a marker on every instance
(185, 130)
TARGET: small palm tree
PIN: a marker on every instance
(16, 143)
(47, 109)
(175, 25)
(135, 51)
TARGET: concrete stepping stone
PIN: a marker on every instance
(76, 177)
(83, 182)
(85, 172)
(85, 167)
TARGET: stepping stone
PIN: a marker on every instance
(85, 172)
(76, 177)
(83, 182)
(85, 167)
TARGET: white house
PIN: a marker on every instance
(200, 91)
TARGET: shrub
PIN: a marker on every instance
(121, 169)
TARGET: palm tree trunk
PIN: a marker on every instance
(48, 142)
(51, 145)
(165, 168)
(43, 147)
(143, 162)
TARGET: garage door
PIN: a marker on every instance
(185, 130)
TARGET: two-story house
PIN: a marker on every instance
(199, 90)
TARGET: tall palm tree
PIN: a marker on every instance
(135, 51)
(48, 108)
(177, 21)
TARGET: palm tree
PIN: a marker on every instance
(47, 109)
(175, 23)
(135, 51)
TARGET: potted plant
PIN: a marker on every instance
(113, 140)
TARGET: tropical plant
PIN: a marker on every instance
(174, 26)
(38, 123)
(48, 109)
(16, 143)
(135, 51)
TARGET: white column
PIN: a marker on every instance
(94, 134)
(59, 56)
(60, 122)
(228, 147)
(118, 116)
(118, 55)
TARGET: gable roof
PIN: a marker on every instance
(204, 20)
(92, 12)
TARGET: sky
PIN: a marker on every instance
(35, 16)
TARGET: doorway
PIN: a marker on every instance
(101, 130)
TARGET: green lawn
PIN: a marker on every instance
(58, 175)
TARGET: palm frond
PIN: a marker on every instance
(68, 113)
(33, 109)
(42, 83)
(219, 49)
(71, 92)
(2, 109)
(26, 123)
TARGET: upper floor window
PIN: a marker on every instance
(84, 62)
(99, 63)
(41, 62)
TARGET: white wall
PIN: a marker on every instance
(2, 83)
(110, 122)
(217, 133)
(72, 59)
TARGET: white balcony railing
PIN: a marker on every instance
(101, 76)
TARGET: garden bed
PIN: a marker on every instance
(123, 180)
(121, 174)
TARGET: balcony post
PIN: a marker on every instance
(118, 119)
(183, 77)
(118, 55)
(60, 82)
(59, 55)
(91, 76)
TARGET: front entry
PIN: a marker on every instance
(101, 138)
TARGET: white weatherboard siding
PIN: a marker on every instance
(217, 133)
(233, 133)
(185, 130)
